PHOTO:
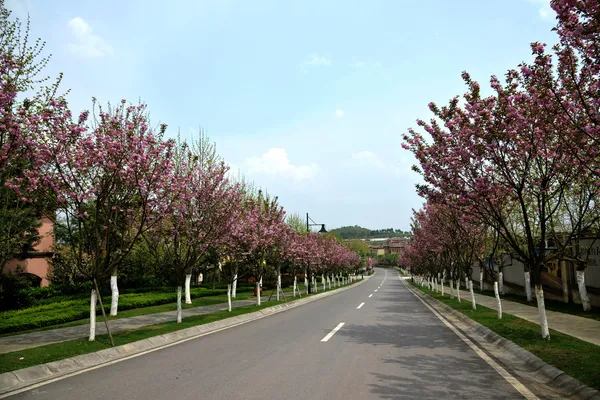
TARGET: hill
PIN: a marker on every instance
(358, 232)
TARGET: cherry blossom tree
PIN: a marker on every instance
(109, 180)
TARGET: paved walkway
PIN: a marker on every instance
(582, 328)
(42, 338)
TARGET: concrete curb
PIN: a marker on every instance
(24, 379)
(555, 378)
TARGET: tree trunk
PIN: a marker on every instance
(442, 286)
(93, 301)
(278, 285)
(451, 288)
(314, 284)
(114, 300)
(528, 286)
(481, 279)
(179, 304)
(323, 282)
(295, 283)
(234, 288)
(229, 296)
(501, 282)
(585, 300)
(257, 293)
(564, 280)
(458, 289)
(188, 296)
(472, 295)
(539, 294)
(498, 302)
(306, 281)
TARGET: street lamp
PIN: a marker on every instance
(322, 230)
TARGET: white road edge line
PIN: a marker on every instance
(375, 289)
(503, 373)
(330, 334)
(371, 295)
(360, 305)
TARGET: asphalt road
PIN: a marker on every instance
(392, 347)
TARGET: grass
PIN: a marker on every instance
(58, 351)
(551, 305)
(74, 310)
(134, 312)
(197, 302)
(576, 357)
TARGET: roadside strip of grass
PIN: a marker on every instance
(58, 351)
(551, 305)
(197, 302)
(575, 357)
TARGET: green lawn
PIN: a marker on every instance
(576, 357)
(53, 352)
(74, 309)
(551, 305)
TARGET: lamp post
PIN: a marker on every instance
(322, 230)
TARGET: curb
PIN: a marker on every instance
(551, 376)
(14, 382)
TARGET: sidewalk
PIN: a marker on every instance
(582, 328)
(35, 339)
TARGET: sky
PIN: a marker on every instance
(307, 99)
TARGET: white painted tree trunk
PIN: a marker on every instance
(295, 283)
(323, 282)
(472, 295)
(188, 296)
(234, 289)
(278, 285)
(329, 282)
(257, 293)
(498, 302)
(467, 283)
(114, 300)
(501, 283)
(451, 288)
(458, 289)
(585, 300)
(481, 280)
(306, 281)
(442, 287)
(178, 304)
(314, 283)
(528, 285)
(93, 301)
(539, 295)
(229, 297)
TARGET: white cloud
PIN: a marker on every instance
(318, 60)
(87, 44)
(359, 64)
(367, 158)
(275, 162)
(339, 113)
(546, 12)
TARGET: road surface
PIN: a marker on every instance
(375, 341)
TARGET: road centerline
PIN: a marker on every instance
(360, 305)
(330, 334)
(371, 295)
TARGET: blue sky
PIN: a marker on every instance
(308, 99)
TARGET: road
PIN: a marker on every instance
(391, 347)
